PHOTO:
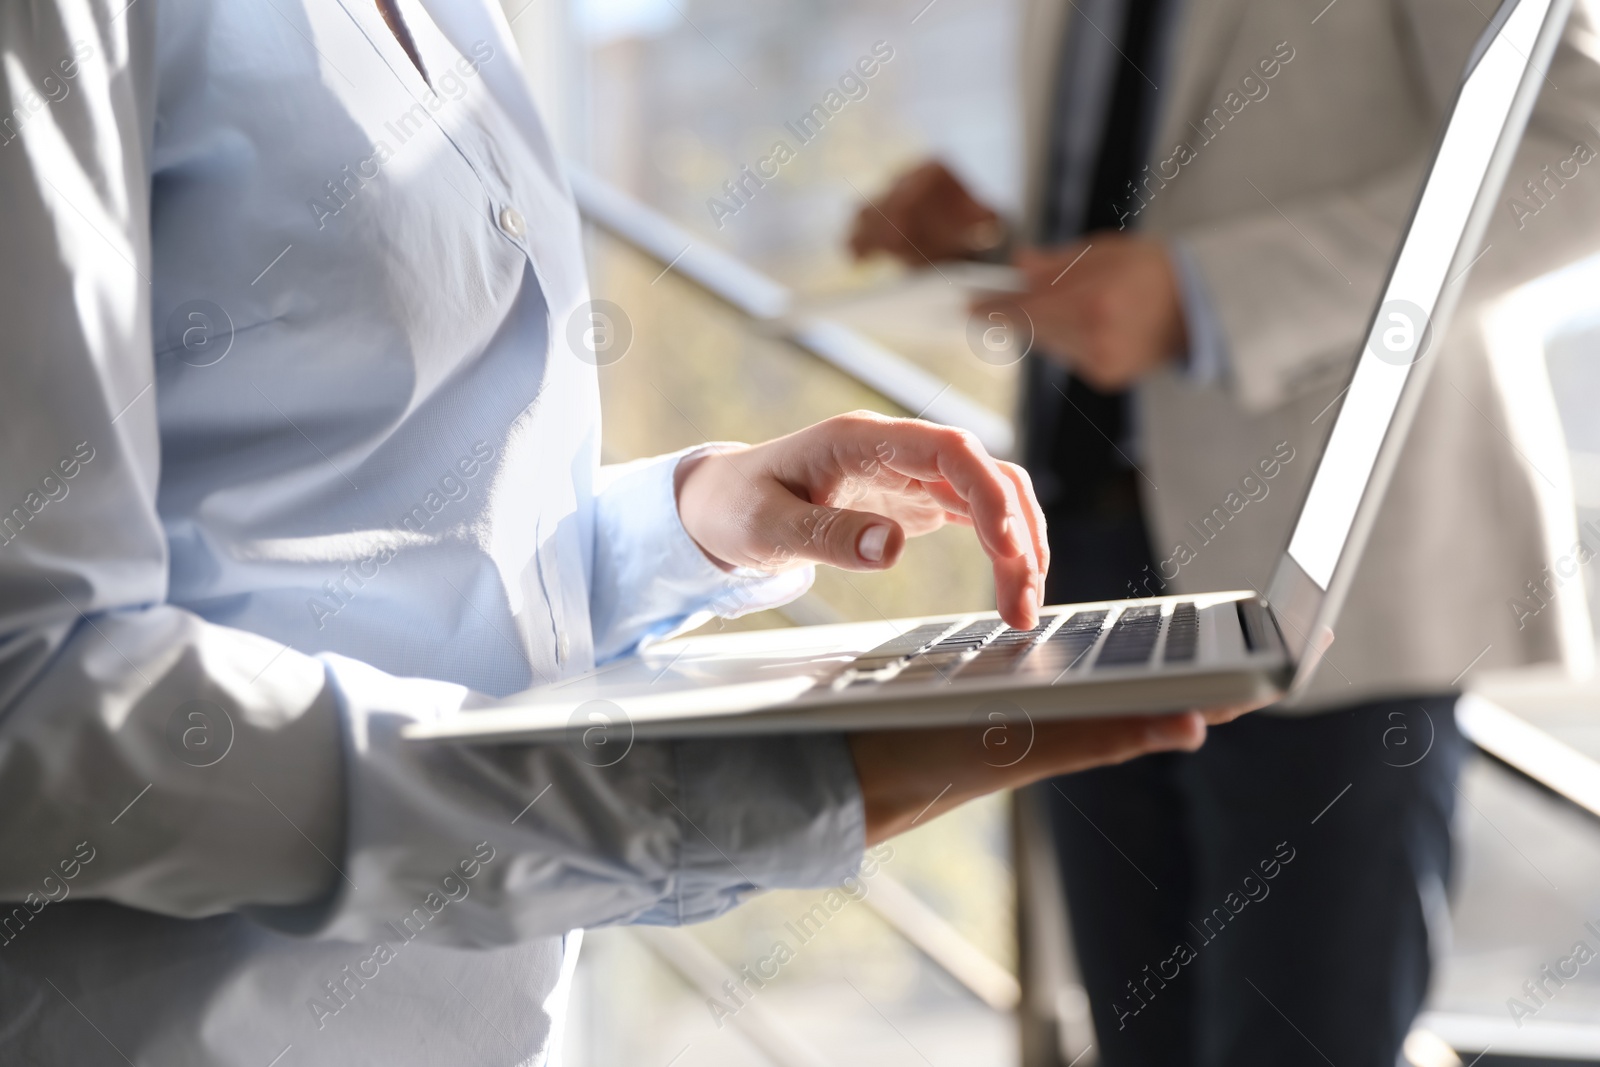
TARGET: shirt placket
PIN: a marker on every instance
(477, 129)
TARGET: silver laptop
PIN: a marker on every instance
(1125, 656)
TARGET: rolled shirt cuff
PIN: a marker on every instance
(1207, 357)
(780, 812)
(486, 845)
(652, 581)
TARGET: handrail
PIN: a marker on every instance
(708, 976)
(1530, 1041)
(1531, 752)
(902, 910)
(912, 919)
(771, 306)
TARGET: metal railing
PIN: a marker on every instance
(772, 309)
(1531, 752)
(905, 913)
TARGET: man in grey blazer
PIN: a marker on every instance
(1216, 188)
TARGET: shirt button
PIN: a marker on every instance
(563, 647)
(511, 221)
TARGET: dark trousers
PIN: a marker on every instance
(1267, 900)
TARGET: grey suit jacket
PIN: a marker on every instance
(1290, 191)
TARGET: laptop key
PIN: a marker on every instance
(1005, 652)
(976, 647)
(1080, 623)
(969, 637)
(908, 643)
(995, 660)
(1132, 638)
(1068, 646)
(880, 663)
(1183, 634)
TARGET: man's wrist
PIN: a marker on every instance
(1205, 350)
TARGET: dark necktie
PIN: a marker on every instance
(1098, 537)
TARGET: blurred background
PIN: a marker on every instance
(658, 104)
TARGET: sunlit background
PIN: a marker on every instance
(666, 100)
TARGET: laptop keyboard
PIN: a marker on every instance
(1070, 644)
(951, 654)
(939, 651)
(1132, 639)
(1183, 634)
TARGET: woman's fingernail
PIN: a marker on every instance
(872, 541)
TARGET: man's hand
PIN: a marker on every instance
(849, 491)
(1111, 316)
(928, 215)
(908, 776)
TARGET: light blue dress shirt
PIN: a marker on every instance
(299, 448)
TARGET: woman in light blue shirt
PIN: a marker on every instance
(296, 453)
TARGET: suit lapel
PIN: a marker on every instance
(1042, 43)
(1199, 45)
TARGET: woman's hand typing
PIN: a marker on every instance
(848, 492)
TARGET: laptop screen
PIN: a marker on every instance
(1401, 333)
